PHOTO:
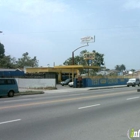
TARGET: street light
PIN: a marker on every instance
(76, 50)
(86, 40)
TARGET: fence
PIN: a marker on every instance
(110, 77)
(36, 83)
(98, 82)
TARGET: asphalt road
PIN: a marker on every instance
(88, 115)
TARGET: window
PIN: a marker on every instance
(10, 81)
(2, 81)
(7, 81)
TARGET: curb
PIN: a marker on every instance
(106, 88)
(30, 93)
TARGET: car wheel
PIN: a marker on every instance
(127, 85)
(11, 93)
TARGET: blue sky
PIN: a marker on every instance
(51, 29)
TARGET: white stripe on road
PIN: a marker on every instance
(10, 121)
(88, 106)
(17, 100)
(132, 98)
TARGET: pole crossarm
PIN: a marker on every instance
(76, 50)
(81, 47)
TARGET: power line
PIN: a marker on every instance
(80, 30)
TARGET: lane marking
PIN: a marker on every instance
(132, 98)
(88, 106)
(17, 100)
(10, 121)
(63, 100)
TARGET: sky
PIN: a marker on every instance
(52, 29)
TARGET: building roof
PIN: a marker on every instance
(1, 69)
(77, 67)
(63, 69)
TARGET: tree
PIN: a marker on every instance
(2, 50)
(7, 62)
(133, 70)
(120, 67)
(117, 67)
(26, 60)
(68, 61)
(99, 59)
(79, 60)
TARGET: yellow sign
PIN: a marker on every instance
(89, 56)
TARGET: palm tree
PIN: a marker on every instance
(117, 67)
(122, 67)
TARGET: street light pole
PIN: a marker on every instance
(76, 50)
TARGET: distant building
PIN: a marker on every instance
(108, 72)
(102, 73)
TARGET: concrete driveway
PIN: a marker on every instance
(59, 86)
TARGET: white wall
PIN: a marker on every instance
(36, 83)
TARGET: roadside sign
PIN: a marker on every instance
(88, 39)
(89, 56)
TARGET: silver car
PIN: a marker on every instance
(71, 84)
(66, 82)
(133, 82)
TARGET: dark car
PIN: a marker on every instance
(66, 82)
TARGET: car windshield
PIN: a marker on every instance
(67, 80)
(132, 80)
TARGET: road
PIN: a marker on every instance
(89, 115)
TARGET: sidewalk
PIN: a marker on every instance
(107, 87)
(66, 90)
(84, 89)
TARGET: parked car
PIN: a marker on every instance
(66, 82)
(71, 84)
(133, 82)
(8, 87)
